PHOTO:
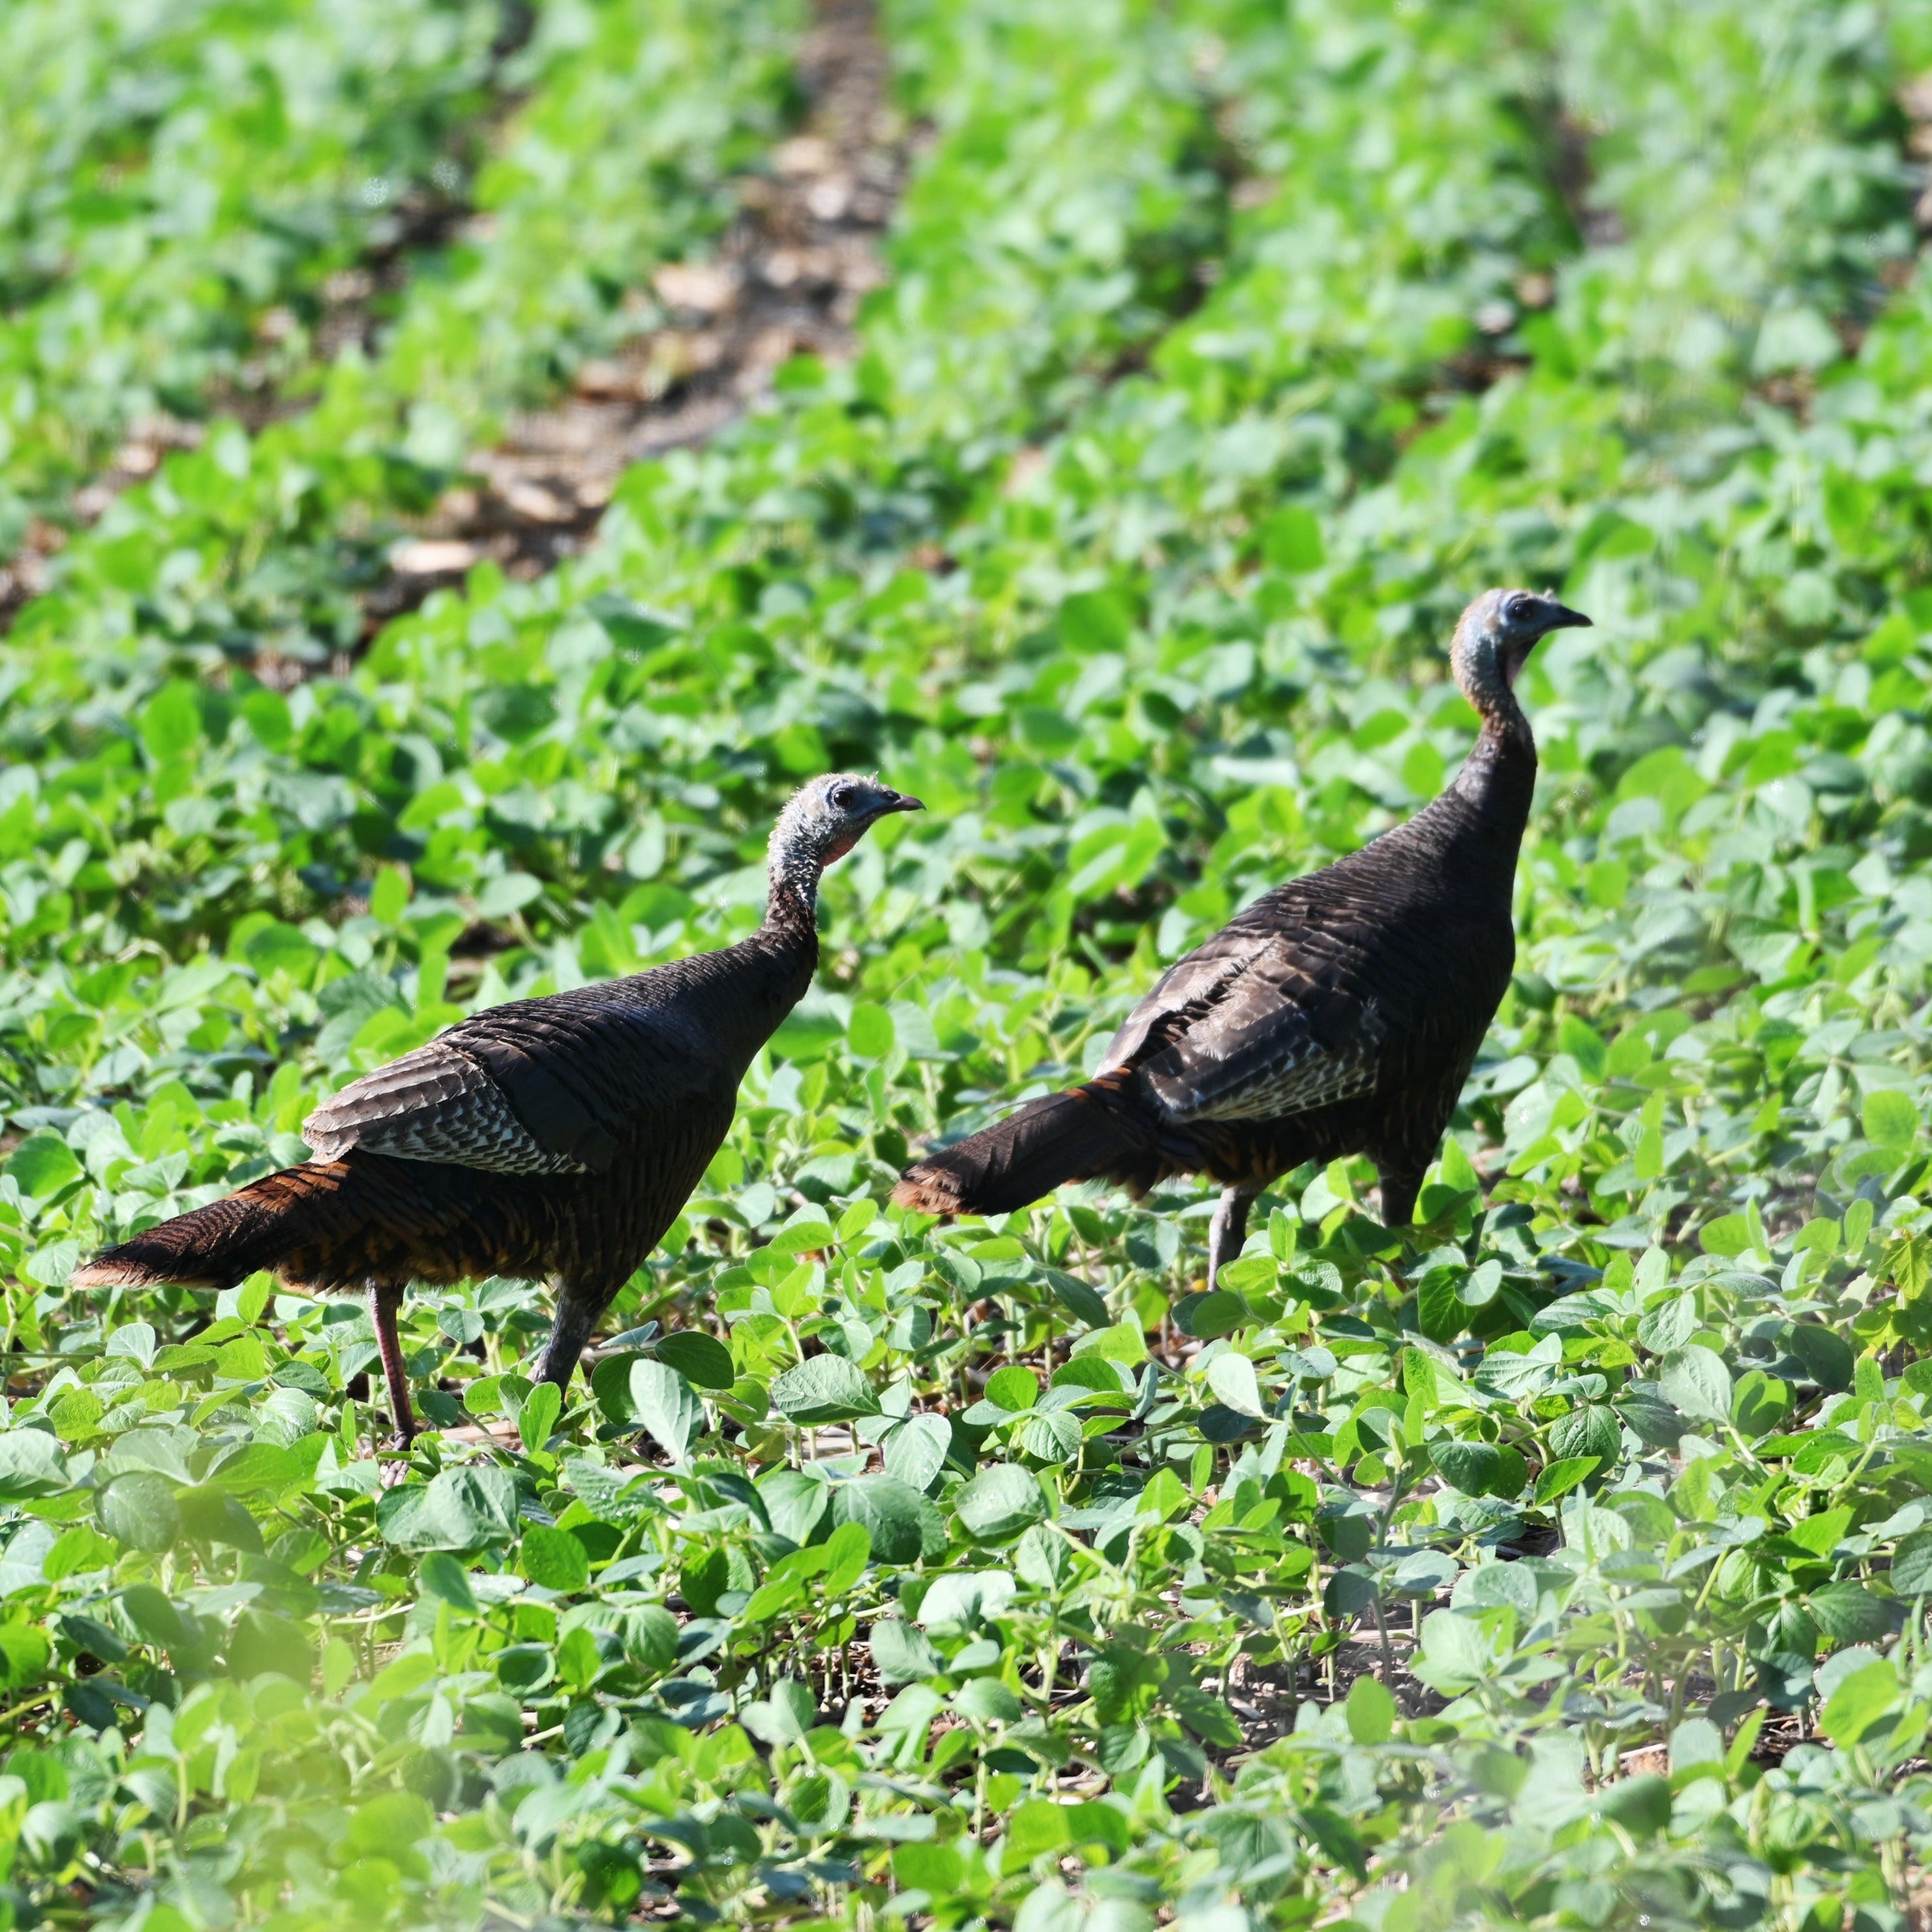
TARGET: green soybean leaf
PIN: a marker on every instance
(155, 1615)
(1912, 1565)
(1827, 1356)
(1124, 1342)
(1206, 1316)
(263, 1642)
(870, 1031)
(1848, 1613)
(30, 1464)
(1696, 1383)
(808, 1237)
(795, 1503)
(44, 1166)
(1652, 1419)
(1669, 1325)
(1371, 1711)
(1456, 1654)
(1249, 1275)
(1729, 1234)
(825, 1388)
(1890, 1119)
(998, 1503)
(916, 1451)
(1291, 540)
(1558, 1478)
(554, 1558)
(1012, 1388)
(1760, 1403)
(1231, 1375)
(1861, 1703)
(138, 1510)
(1052, 1437)
(784, 1717)
(900, 1653)
(1439, 1309)
(666, 1405)
(25, 1655)
(1081, 1302)
(1592, 1429)
(847, 1550)
(987, 1698)
(700, 1358)
(1641, 1804)
(210, 1514)
(538, 1416)
(1481, 1468)
(443, 1577)
(465, 1508)
(898, 1521)
(1481, 1285)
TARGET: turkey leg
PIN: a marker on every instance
(1400, 1187)
(578, 1311)
(389, 1346)
(1229, 1227)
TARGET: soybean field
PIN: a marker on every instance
(464, 463)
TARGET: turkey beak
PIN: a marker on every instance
(901, 802)
(1564, 619)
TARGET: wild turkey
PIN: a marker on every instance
(1339, 1014)
(547, 1137)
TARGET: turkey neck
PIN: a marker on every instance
(1488, 803)
(791, 929)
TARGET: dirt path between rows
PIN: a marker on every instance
(787, 280)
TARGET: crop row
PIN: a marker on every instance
(180, 187)
(630, 117)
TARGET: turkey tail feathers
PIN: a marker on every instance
(222, 1244)
(1076, 1136)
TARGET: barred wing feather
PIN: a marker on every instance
(1275, 1066)
(537, 1087)
(436, 1104)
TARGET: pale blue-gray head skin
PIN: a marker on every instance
(824, 820)
(1493, 641)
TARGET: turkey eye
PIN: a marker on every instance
(1517, 609)
(841, 797)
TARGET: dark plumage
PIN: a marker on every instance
(553, 1137)
(1339, 1014)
